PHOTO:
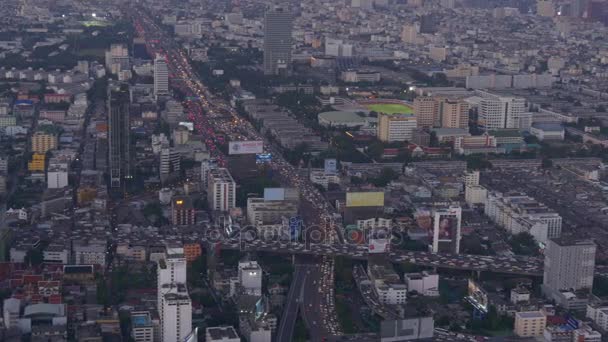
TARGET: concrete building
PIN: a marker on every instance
(250, 278)
(182, 211)
(519, 213)
(278, 24)
(57, 176)
(89, 253)
(387, 284)
(396, 127)
(174, 305)
(119, 132)
(260, 211)
(142, 326)
(530, 323)
(161, 76)
(426, 111)
(424, 283)
(545, 8)
(170, 162)
(43, 142)
(498, 112)
(221, 190)
(569, 265)
(454, 113)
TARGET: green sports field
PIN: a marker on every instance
(390, 108)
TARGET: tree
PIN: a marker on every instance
(386, 176)
(375, 149)
(478, 162)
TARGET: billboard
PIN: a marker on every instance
(378, 246)
(189, 125)
(263, 158)
(331, 165)
(295, 227)
(447, 227)
(477, 296)
(365, 199)
(274, 194)
(246, 147)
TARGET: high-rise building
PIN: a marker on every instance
(174, 305)
(221, 190)
(277, 41)
(119, 128)
(161, 76)
(206, 166)
(169, 162)
(117, 58)
(396, 127)
(142, 326)
(426, 111)
(569, 264)
(250, 278)
(499, 112)
(182, 211)
(454, 113)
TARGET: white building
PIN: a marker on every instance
(161, 76)
(475, 194)
(425, 283)
(11, 308)
(57, 177)
(324, 179)
(206, 166)
(599, 315)
(446, 229)
(520, 213)
(55, 253)
(142, 326)
(250, 278)
(93, 253)
(221, 190)
(374, 223)
(396, 127)
(498, 112)
(175, 307)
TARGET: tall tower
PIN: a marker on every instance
(119, 134)
(174, 304)
(278, 25)
(161, 76)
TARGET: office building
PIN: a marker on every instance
(426, 111)
(169, 162)
(454, 113)
(499, 112)
(519, 213)
(161, 76)
(529, 323)
(221, 190)
(117, 58)
(43, 142)
(424, 283)
(396, 127)
(250, 278)
(182, 211)
(119, 129)
(174, 305)
(569, 265)
(386, 284)
(57, 176)
(206, 166)
(260, 211)
(277, 41)
(142, 326)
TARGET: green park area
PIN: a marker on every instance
(390, 108)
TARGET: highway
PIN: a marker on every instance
(216, 121)
(292, 304)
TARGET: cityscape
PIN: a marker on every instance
(324, 171)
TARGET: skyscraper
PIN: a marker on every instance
(174, 304)
(569, 264)
(161, 76)
(119, 134)
(277, 41)
(221, 190)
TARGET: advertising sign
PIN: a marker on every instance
(274, 194)
(331, 165)
(295, 227)
(365, 199)
(263, 158)
(246, 147)
(187, 124)
(447, 227)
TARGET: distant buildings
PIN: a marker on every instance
(43, 142)
(277, 41)
(439, 111)
(182, 211)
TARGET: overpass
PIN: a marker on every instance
(519, 265)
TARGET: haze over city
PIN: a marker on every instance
(276, 171)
